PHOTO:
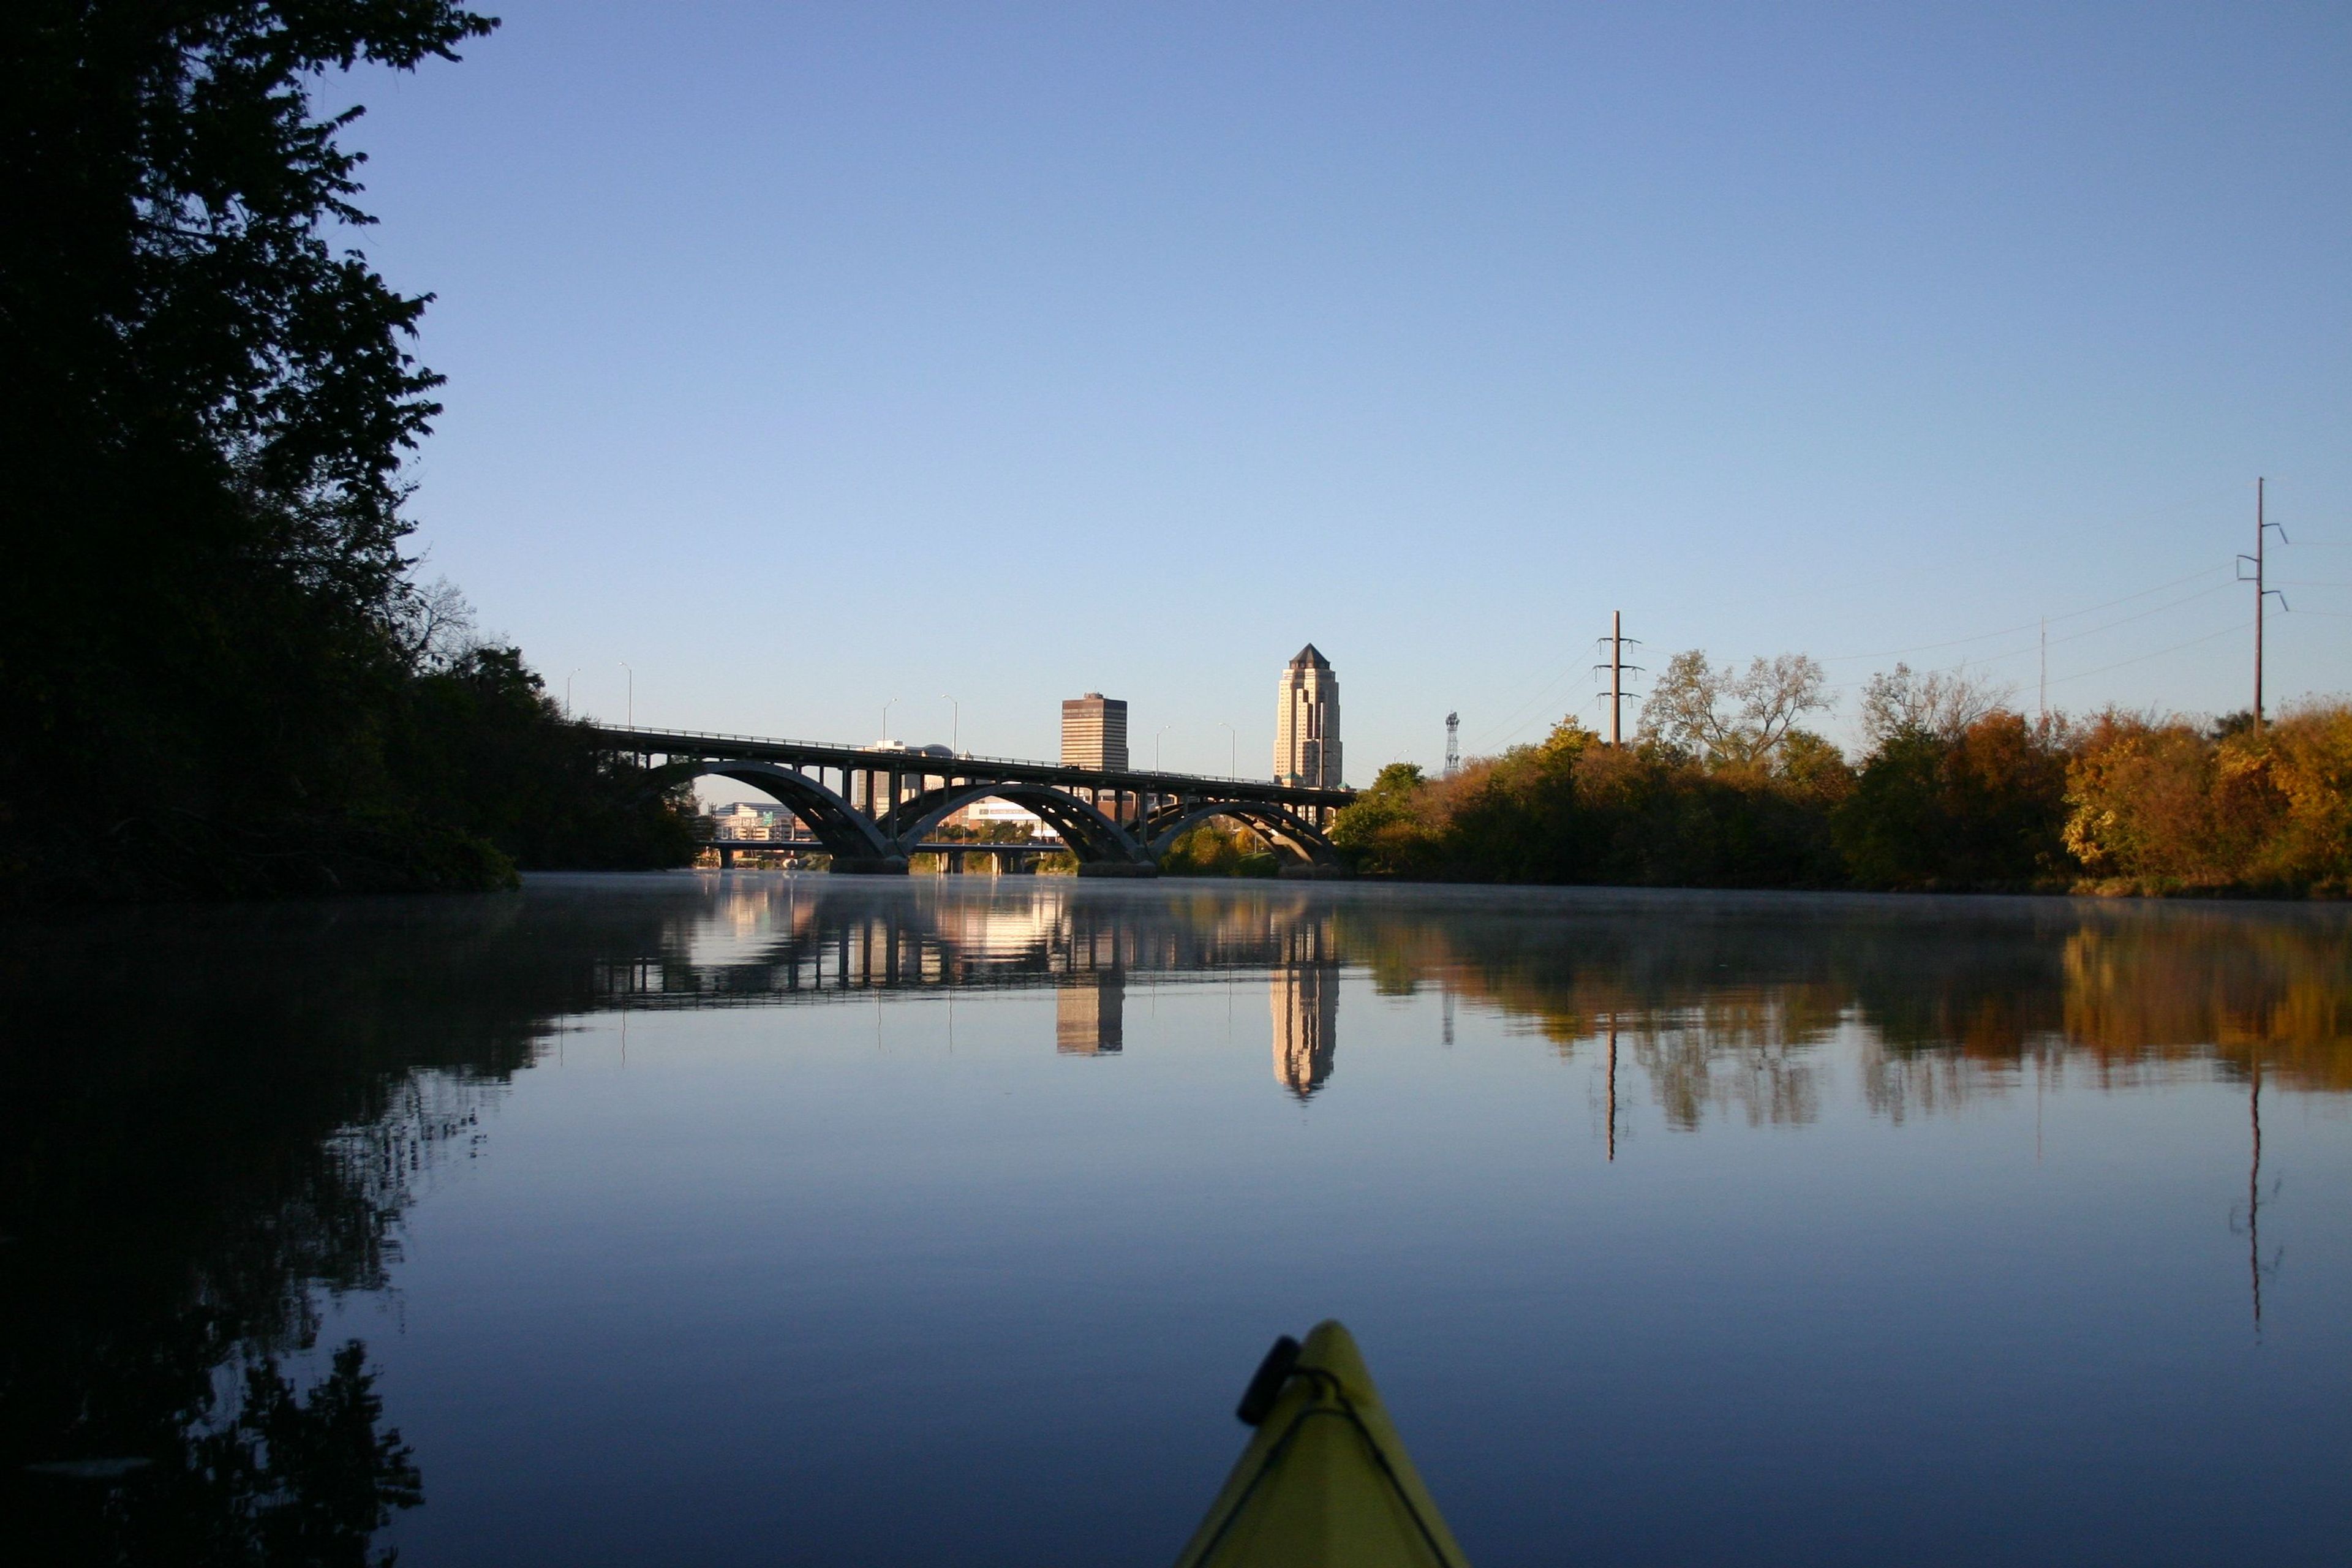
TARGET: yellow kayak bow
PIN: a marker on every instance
(1326, 1481)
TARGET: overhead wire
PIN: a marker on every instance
(2036, 647)
(2029, 625)
(2243, 626)
(1515, 719)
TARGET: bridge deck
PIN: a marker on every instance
(964, 765)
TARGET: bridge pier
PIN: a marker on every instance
(868, 865)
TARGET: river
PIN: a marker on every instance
(756, 1217)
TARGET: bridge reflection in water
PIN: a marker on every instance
(1729, 1015)
(781, 939)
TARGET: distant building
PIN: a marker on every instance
(992, 812)
(756, 821)
(1306, 729)
(1094, 732)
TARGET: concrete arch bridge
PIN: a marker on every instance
(872, 808)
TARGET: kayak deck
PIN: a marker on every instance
(1326, 1480)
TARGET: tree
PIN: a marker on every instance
(1983, 807)
(203, 410)
(1722, 716)
(1939, 703)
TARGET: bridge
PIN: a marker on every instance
(872, 808)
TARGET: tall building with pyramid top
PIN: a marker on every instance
(1306, 726)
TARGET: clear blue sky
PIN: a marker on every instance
(808, 356)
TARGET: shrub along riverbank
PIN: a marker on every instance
(1953, 795)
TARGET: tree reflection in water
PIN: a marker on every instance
(215, 1120)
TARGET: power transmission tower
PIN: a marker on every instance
(1453, 744)
(1617, 669)
(2262, 594)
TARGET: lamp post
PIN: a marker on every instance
(1155, 746)
(633, 692)
(885, 718)
(955, 723)
(1232, 751)
(567, 694)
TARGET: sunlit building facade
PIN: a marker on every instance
(1094, 732)
(1307, 724)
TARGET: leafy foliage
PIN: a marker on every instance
(1956, 792)
(2171, 807)
(1723, 715)
(204, 408)
(1574, 810)
(1980, 807)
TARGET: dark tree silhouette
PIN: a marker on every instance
(206, 399)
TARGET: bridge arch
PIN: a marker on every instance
(842, 830)
(1088, 834)
(1279, 824)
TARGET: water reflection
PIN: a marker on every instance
(218, 1121)
(1088, 1014)
(211, 1130)
(1720, 1004)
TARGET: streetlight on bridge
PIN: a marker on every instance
(633, 692)
(567, 693)
(955, 723)
(886, 720)
(1155, 746)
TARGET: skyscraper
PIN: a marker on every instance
(1306, 729)
(1094, 732)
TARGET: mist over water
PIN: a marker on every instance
(748, 1218)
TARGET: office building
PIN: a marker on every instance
(1306, 726)
(1094, 732)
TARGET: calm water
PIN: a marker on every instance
(754, 1218)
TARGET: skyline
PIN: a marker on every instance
(1430, 339)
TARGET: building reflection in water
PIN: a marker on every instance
(1087, 1011)
(1736, 1014)
(1303, 990)
(1305, 1025)
(231, 1115)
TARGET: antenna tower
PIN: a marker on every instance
(1453, 744)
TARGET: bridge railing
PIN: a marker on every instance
(917, 758)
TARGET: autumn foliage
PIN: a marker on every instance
(1983, 800)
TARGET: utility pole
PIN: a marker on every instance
(2045, 669)
(1453, 744)
(1617, 668)
(1616, 684)
(2262, 592)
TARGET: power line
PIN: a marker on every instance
(1515, 723)
(2042, 645)
(2159, 653)
(2027, 625)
